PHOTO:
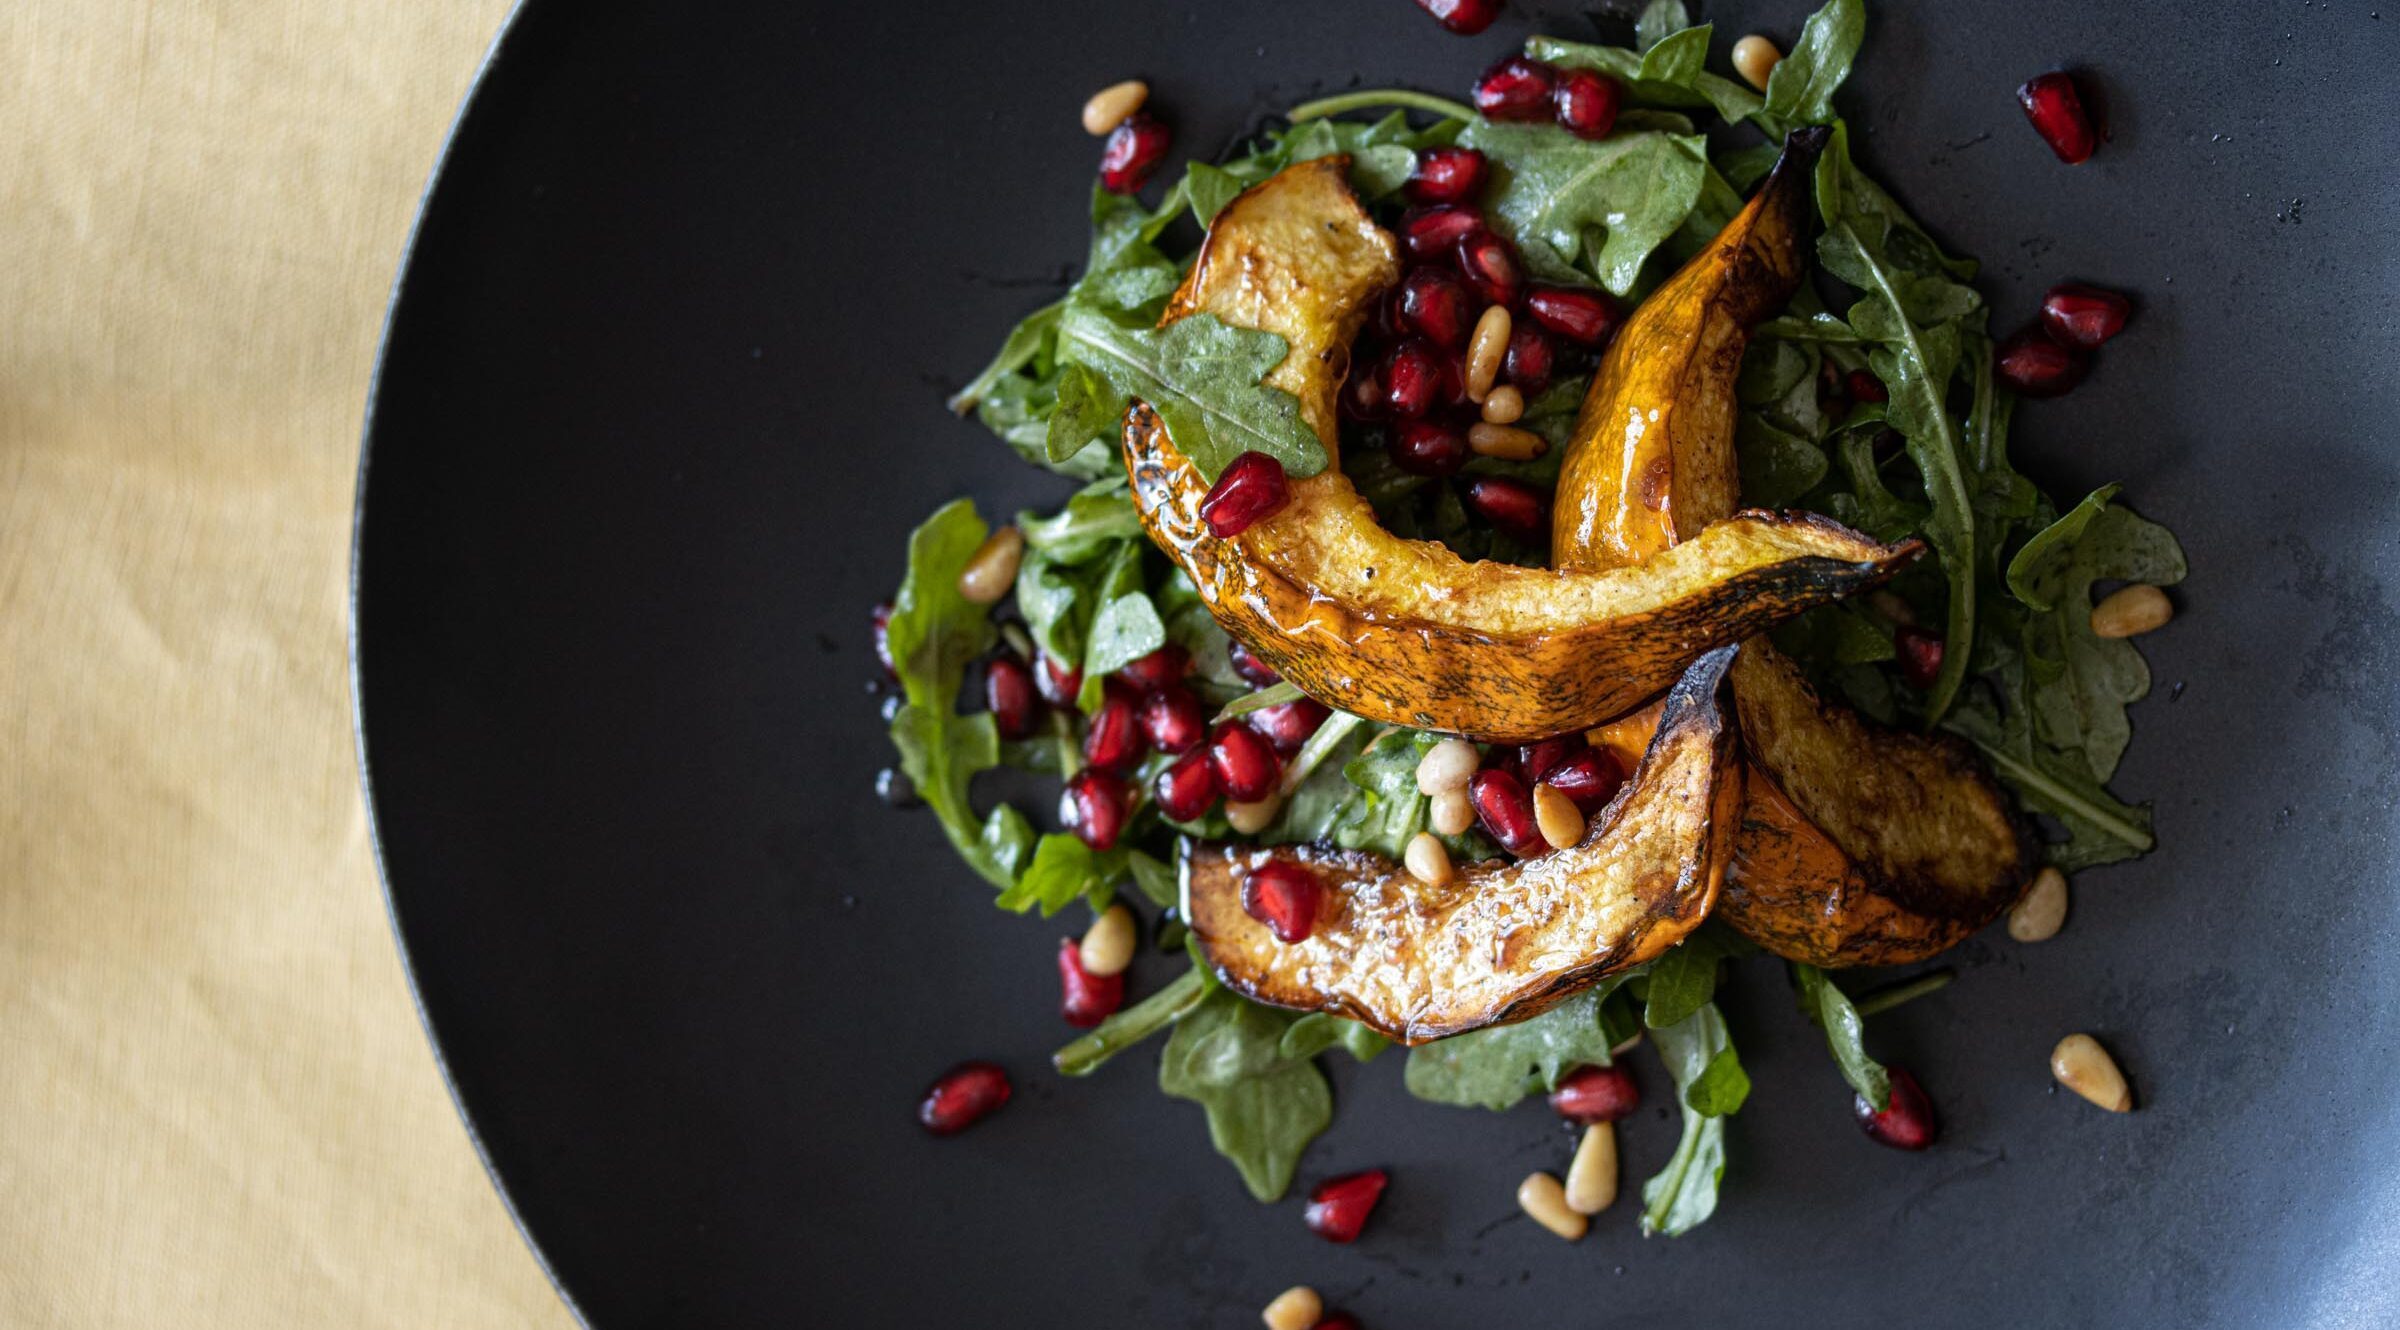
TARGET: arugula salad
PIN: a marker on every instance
(1878, 396)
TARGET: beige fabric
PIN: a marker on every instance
(216, 1106)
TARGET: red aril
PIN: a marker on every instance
(1287, 725)
(1863, 386)
(1437, 305)
(1133, 151)
(1906, 1123)
(1253, 487)
(1245, 763)
(1186, 788)
(1285, 897)
(1160, 669)
(1085, 999)
(1433, 233)
(1920, 655)
(1512, 506)
(1008, 693)
(1093, 806)
(1412, 378)
(1058, 683)
(1427, 448)
(1529, 361)
(1590, 778)
(964, 1096)
(1445, 175)
(1596, 1094)
(1583, 317)
(1464, 17)
(1515, 89)
(1586, 103)
(1536, 760)
(1338, 1208)
(1338, 1321)
(1252, 668)
(1506, 811)
(1112, 737)
(880, 618)
(2084, 316)
(2055, 107)
(1173, 719)
(2034, 366)
(1491, 267)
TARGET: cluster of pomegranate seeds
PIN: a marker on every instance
(1085, 999)
(1285, 897)
(1094, 805)
(1920, 653)
(2052, 355)
(1582, 101)
(964, 1096)
(1907, 1123)
(1186, 788)
(1288, 725)
(1112, 738)
(1586, 103)
(1446, 175)
(1464, 17)
(2054, 106)
(1596, 1094)
(1253, 486)
(1245, 763)
(1133, 152)
(1511, 505)
(880, 619)
(1505, 809)
(1338, 1208)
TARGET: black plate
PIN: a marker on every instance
(663, 393)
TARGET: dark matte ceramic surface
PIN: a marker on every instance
(662, 396)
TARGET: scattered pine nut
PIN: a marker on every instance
(1108, 943)
(2082, 1065)
(1453, 812)
(1447, 766)
(1252, 818)
(992, 569)
(1504, 405)
(1428, 862)
(1755, 58)
(1486, 350)
(1592, 1178)
(2038, 914)
(1111, 106)
(2132, 611)
(1296, 1308)
(1541, 1196)
(1558, 817)
(1505, 442)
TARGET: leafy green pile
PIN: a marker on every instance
(2023, 676)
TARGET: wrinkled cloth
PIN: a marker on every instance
(217, 1108)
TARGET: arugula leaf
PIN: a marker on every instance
(1582, 211)
(1125, 630)
(1155, 878)
(2086, 681)
(1087, 412)
(1210, 188)
(1263, 1108)
(1845, 1033)
(1064, 870)
(1698, 88)
(1495, 1067)
(1659, 20)
(1025, 343)
(1135, 1023)
(1095, 520)
(1204, 378)
(933, 634)
(1801, 88)
(1318, 1031)
(1710, 1087)
(2100, 829)
(1677, 58)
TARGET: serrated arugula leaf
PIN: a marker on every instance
(1210, 188)
(1319, 1031)
(1710, 1086)
(1696, 88)
(1088, 411)
(1800, 91)
(934, 633)
(2082, 682)
(1494, 1068)
(1659, 20)
(1263, 1108)
(2100, 828)
(1845, 1033)
(1580, 211)
(1123, 631)
(1064, 870)
(1204, 378)
(1095, 521)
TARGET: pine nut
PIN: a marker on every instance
(1592, 1178)
(1296, 1308)
(1447, 766)
(1506, 442)
(1558, 817)
(1755, 58)
(1453, 812)
(992, 569)
(1428, 862)
(1541, 1196)
(1504, 405)
(1487, 349)
(1252, 818)
(2038, 913)
(1110, 106)
(1892, 607)
(1108, 943)
(2131, 611)
(2082, 1065)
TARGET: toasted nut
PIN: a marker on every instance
(1558, 817)
(2038, 913)
(1541, 1196)
(1296, 1308)
(1108, 943)
(992, 569)
(1505, 442)
(2082, 1065)
(2131, 611)
(1504, 405)
(1252, 818)
(1592, 1178)
(1110, 106)
(1453, 812)
(1754, 58)
(1485, 352)
(1446, 766)
(1428, 862)
(1892, 607)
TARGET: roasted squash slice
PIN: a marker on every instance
(1503, 940)
(1406, 632)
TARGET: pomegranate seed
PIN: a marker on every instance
(1585, 318)
(1427, 448)
(1093, 806)
(1253, 487)
(1596, 1094)
(1252, 668)
(1008, 693)
(1337, 1321)
(1412, 378)
(1907, 1123)
(1535, 761)
(2035, 366)
(1591, 778)
(1515, 89)
(1434, 233)
(964, 1096)
(1112, 738)
(2055, 107)
(1433, 301)
(1285, 897)
(1445, 175)
(1058, 683)
(1920, 652)
(1287, 725)
(1362, 393)
(2084, 316)
(1338, 1208)
(1529, 361)
(1506, 811)
(1244, 762)
(1510, 505)
(1134, 150)
(1464, 17)
(1162, 668)
(1586, 103)
(1173, 720)
(881, 619)
(1186, 788)
(1085, 999)
(1865, 387)
(1491, 267)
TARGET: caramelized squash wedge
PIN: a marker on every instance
(1406, 632)
(1502, 940)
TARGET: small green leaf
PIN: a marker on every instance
(1659, 20)
(1494, 1068)
(1125, 630)
(1802, 86)
(1581, 211)
(1205, 379)
(1845, 1033)
(1677, 58)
